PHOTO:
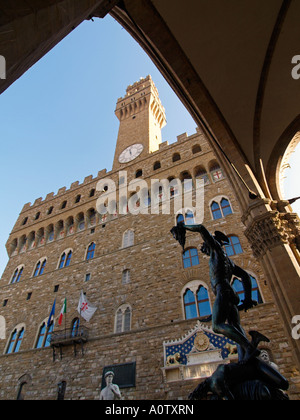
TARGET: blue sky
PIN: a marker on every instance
(57, 121)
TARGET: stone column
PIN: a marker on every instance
(274, 237)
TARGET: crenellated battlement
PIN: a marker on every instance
(91, 180)
(63, 190)
(142, 94)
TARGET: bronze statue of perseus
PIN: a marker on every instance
(250, 378)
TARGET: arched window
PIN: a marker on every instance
(189, 218)
(203, 302)
(70, 226)
(185, 216)
(195, 300)
(75, 327)
(180, 218)
(156, 166)
(190, 308)
(12, 342)
(40, 267)
(68, 260)
(31, 240)
(37, 269)
(19, 340)
(187, 181)
(220, 208)
(126, 277)
(190, 257)
(48, 335)
(239, 289)
(127, 319)
(196, 149)
(91, 216)
(176, 157)
(17, 275)
(119, 321)
(65, 259)
(80, 222)
(234, 247)
(61, 389)
(128, 238)
(15, 340)
(50, 233)
(59, 229)
(255, 290)
(175, 186)
(123, 319)
(40, 237)
(138, 173)
(225, 206)
(216, 211)
(200, 173)
(41, 336)
(44, 335)
(62, 260)
(20, 396)
(90, 251)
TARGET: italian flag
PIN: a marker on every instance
(62, 312)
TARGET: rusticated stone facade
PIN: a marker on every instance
(136, 277)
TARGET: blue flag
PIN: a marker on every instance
(51, 316)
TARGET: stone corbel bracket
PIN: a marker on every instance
(267, 231)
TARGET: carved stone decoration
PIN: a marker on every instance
(266, 232)
(195, 355)
(201, 341)
(173, 359)
(293, 228)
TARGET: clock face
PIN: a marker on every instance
(131, 153)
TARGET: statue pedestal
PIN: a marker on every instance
(200, 358)
(199, 365)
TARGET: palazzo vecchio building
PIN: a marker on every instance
(151, 326)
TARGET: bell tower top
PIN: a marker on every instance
(141, 117)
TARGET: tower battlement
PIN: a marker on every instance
(142, 116)
(142, 94)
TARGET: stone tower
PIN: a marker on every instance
(141, 117)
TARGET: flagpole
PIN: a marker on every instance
(66, 315)
(80, 318)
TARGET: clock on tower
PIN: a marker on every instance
(141, 117)
(131, 152)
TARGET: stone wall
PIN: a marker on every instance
(154, 293)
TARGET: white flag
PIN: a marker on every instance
(84, 307)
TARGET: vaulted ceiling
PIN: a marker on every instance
(31, 28)
(230, 62)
